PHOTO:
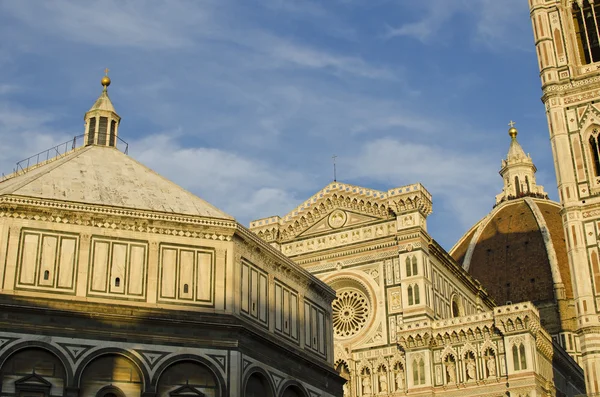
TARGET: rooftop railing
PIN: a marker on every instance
(60, 151)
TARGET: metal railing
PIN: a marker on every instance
(61, 150)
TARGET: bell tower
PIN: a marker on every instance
(567, 40)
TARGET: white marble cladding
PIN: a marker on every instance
(238, 276)
(334, 240)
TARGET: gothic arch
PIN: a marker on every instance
(39, 345)
(260, 372)
(194, 358)
(145, 375)
(591, 147)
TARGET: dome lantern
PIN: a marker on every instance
(102, 121)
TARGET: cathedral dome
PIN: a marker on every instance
(518, 251)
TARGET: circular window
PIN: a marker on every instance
(350, 312)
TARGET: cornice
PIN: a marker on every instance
(116, 211)
(338, 240)
(257, 250)
(116, 219)
(347, 251)
(589, 83)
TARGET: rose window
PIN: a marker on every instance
(350, 312)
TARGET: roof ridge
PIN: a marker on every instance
(180, 187)
(51, 164)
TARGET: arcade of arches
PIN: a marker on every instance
(37, 372)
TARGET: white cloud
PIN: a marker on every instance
(158, 24)
(497, 24)
(465, 182)
(245, 187)
(24, 133)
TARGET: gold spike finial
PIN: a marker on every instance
(512, 131)
(105, 80)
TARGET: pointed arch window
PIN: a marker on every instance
(411, 266)
(414, 297)
(594, 149)
(519, 358)
(596, 271)
(517, 186)
(419, 371)
(586, 22)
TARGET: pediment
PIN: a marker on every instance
(588, 115)
(337, 220)
(186, 390)
(32, 381)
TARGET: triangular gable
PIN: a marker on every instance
(338, 219)
(364, 204)
(33, 383)
(317, 211)
(186, 390)
(586, 114)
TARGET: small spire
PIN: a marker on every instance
(518, 172)
(105, 80)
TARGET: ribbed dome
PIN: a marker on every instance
(518, 253)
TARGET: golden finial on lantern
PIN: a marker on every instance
(105, 80)
(512, 131)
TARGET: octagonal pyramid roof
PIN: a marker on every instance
(103, 175)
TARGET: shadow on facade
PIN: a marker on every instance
(66, 348)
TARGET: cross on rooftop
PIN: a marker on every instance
(511, 124)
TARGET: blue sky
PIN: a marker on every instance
(244, 102)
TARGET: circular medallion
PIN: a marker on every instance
(337, 219)
(351, 311)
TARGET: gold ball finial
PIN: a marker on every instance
(105, 80)
(512, 131)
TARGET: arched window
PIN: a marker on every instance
(408, 268)
(586, 21)
(186, 288)
(596, 271)
(522, 356)
(117, 282)
(517, 186)
(414, 266)
(527, 184)
(410, 295)
(519, 358)
(455, 308)
(417, 296)
(46, 274)
(418, 371)
(594, 150)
